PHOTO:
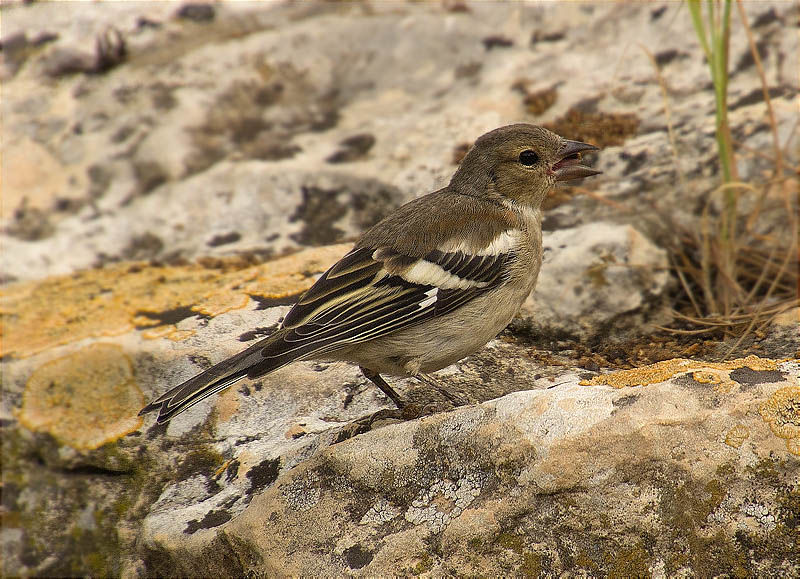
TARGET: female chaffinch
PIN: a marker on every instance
(429, 284)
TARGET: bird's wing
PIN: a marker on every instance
(373, 292)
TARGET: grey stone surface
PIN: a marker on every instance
(601, 279)
(592, 479)
(259, 92)
(187, 150)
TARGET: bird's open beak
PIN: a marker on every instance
(569, 167)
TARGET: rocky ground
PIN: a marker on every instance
(174, 175)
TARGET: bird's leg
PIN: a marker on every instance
(431, 381)
(376, 379)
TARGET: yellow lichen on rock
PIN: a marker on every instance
(782, 412)
(707, 377)
(84, 399)
(159, 332)
(220, 302)
(737, 435)
(705, 372)
(116, 299)
(170, 332)
(658, 372)
(180, 335)
(720, 378)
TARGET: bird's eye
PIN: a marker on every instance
(528, 158)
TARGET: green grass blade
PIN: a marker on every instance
(695, 10)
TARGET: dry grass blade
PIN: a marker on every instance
(765, 285)
(668, 114)
(686, 287)
(685, 332)
(706, 266)
(762, 276)
(720, 322)
(737, 267)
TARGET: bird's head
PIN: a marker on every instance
(520, 162)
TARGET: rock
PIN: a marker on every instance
(75, 374)
(80, 417)
(26, 188)
(170, 198)
(65, 61)
(15, 49)
(782, 336)
(199, 12)
(262, 211)
(491, 488)
(285, 110)
(352, 148)
(599, 281)
(674, 475)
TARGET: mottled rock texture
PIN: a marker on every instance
(674, 477)
(175, 175)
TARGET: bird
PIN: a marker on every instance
(426, 286)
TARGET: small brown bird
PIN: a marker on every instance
(428, 285)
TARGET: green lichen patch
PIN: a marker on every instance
(204, 461)
(511, 541)
(78, 512)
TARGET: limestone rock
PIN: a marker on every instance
(184, 127)
(599, 279)
(175, 175)
(674, 476)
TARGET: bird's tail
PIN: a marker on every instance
(251, 363)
